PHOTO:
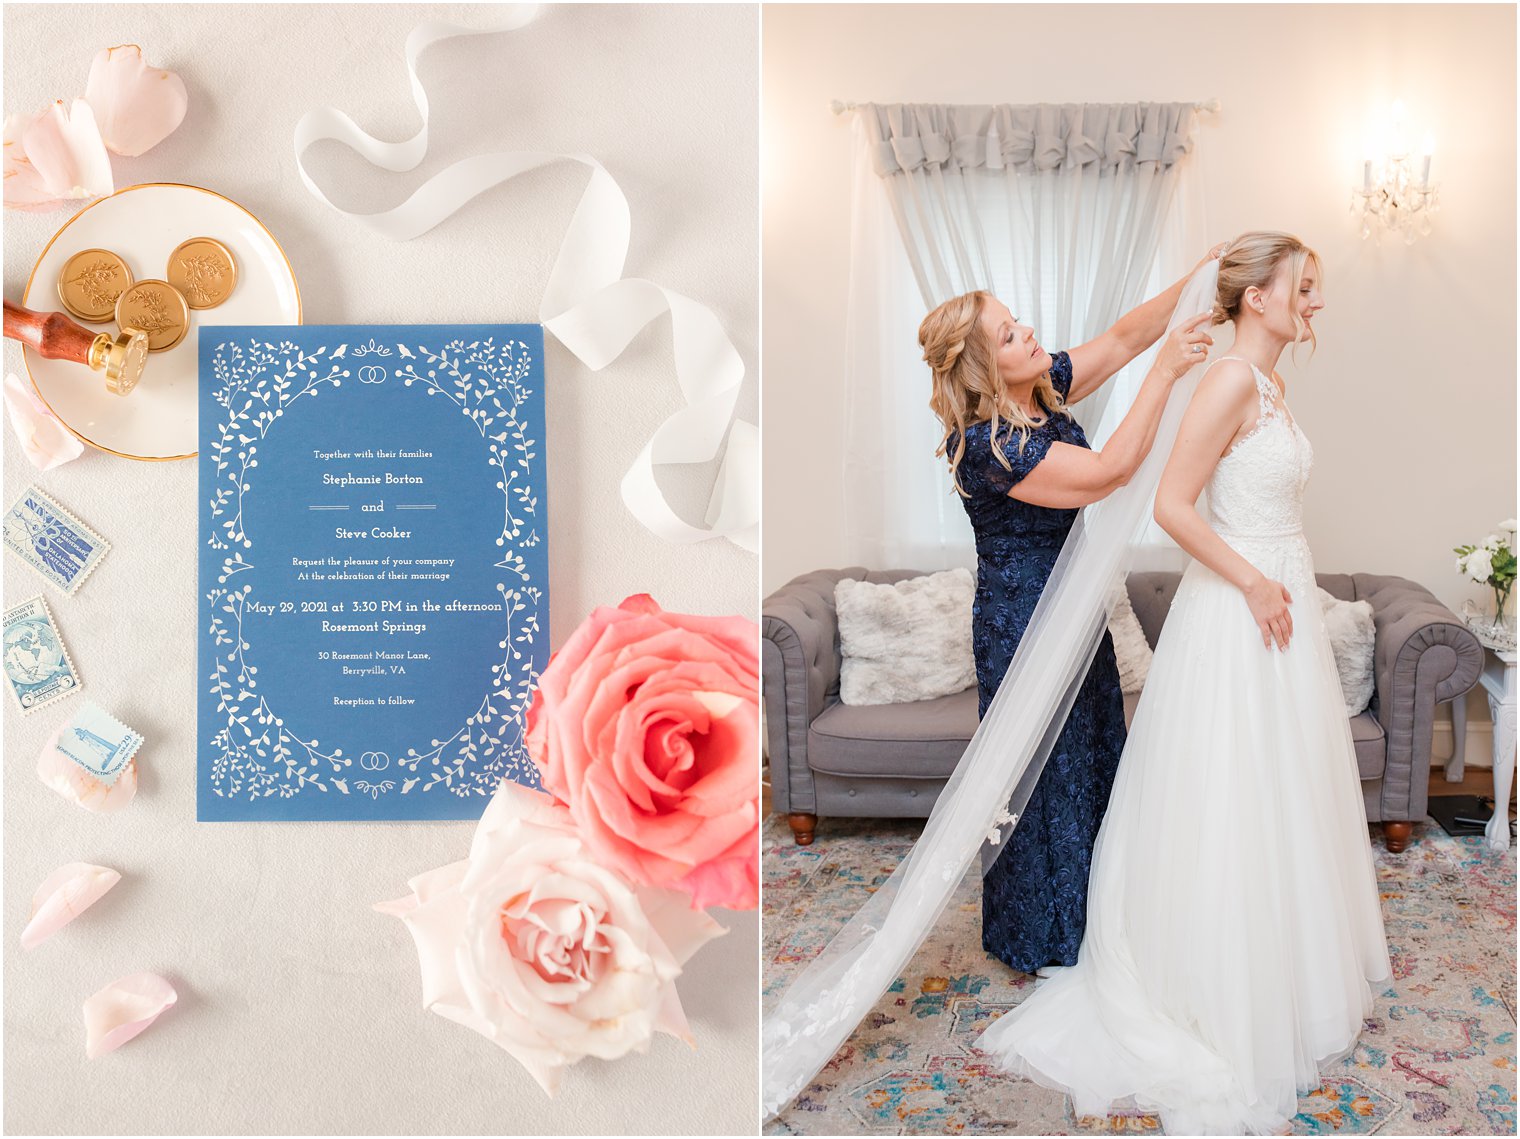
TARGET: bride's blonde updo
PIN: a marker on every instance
(966, 389)
(1253, 258)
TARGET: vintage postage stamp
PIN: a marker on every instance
(36, 663)
(52, 541)
(98, 742)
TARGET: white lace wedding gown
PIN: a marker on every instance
(1233, 927)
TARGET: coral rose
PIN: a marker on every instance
(646, 725)
(539, 949)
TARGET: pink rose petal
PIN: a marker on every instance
(137, 106)
(682, 929)
(76, 784)
(398, 908)
(123, 1009)
(45, 441)
(671, 1018)
(731, 881)
(63, 896)
(23, 185)
(66, 152)
(434, 913)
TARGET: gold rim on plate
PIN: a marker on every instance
(26, 363)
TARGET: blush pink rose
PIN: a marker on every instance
(646, 725)
(538, 948)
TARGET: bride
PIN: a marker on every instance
(1233, 929)
(1233, 926)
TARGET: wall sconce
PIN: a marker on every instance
(1391, 196)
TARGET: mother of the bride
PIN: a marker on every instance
(1023, 468)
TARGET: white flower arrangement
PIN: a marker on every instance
(1491, 562)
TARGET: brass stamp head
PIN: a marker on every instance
(122, 360)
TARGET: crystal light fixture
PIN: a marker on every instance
(1396, 192)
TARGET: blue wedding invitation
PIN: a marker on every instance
(373, 568)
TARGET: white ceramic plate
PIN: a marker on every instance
(143, 224)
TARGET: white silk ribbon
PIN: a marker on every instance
(588, 305)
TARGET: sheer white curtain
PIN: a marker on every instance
(1070, 214)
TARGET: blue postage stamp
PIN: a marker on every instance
(36, 663)
(98, 742)
(52, 541)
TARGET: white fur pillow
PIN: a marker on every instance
(1130, 646)
(907, 641)
(1352, 633)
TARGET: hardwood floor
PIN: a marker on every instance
(1475, 781)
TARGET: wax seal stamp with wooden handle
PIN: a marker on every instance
(55, 336)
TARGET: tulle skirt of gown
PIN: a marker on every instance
(1233, 925)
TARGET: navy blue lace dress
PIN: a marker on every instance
(1034, 898)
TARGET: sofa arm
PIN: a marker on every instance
(1423, 655)
(800, 677)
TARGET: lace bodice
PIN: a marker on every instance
(1257, 491)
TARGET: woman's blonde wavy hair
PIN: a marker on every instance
(966, 389)
(1253, 259)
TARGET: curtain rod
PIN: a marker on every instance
(1210, 106)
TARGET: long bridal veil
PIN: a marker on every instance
(995, 776)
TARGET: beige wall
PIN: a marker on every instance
(1410, 399)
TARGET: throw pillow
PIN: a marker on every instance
(1352, 634)
(1130, 646)
(910, 640)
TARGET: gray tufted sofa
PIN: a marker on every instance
(890, 761)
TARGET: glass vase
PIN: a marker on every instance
(1496, 627)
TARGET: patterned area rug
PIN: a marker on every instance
(1437, 1056)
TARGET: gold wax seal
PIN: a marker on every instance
(91, 281)
(203, 270)
(154, 307)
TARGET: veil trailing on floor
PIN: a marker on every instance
(995, 776)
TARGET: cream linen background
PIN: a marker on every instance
(299, 1007)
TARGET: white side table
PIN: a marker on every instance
(1498, 681)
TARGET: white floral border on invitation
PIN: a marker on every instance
(258, 383)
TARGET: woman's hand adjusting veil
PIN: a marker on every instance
(1072, 476)
(1185, 345)
(1094, 363)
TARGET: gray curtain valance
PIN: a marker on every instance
(1036, 137)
